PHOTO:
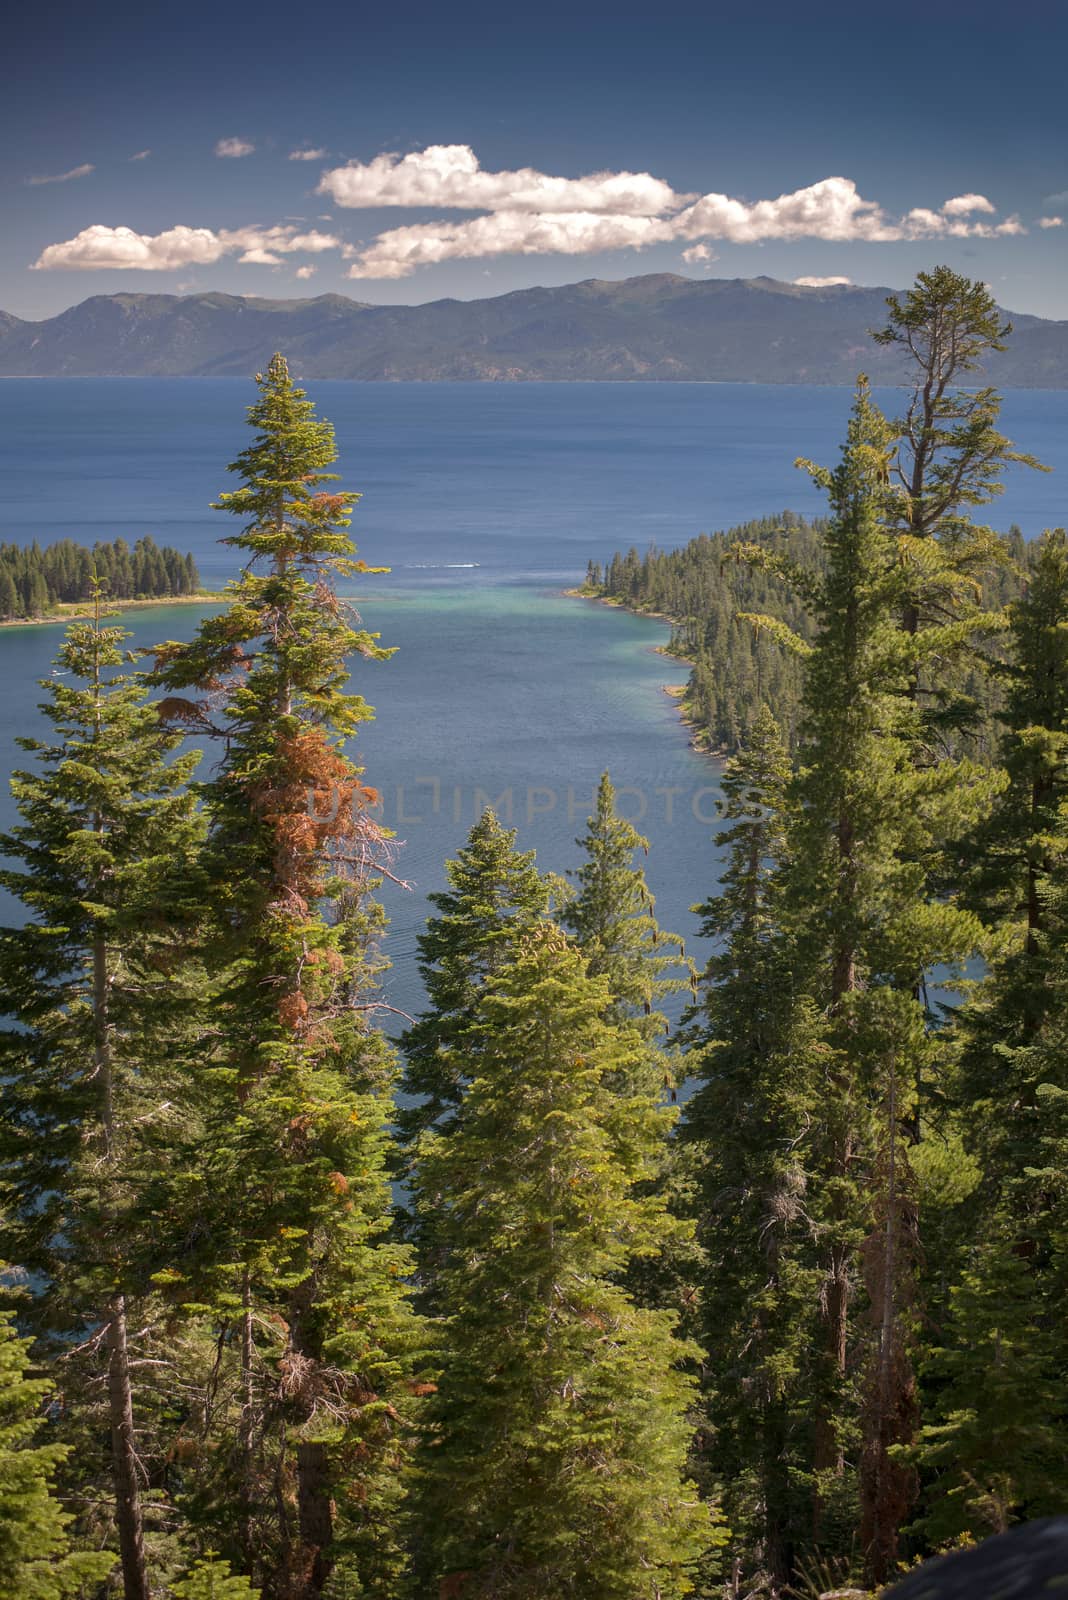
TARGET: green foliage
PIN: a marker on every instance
(33, 581)
(212, 1580)
(611, 915)
(495, 895)
(283, 1185)
(746, 1121)
(716, 587)
(558, 1432)
(99, 1002)
(36, 1561)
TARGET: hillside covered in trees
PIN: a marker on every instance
(302, 1311)
(35, 581)
(712, 595)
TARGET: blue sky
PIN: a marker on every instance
(152, 150)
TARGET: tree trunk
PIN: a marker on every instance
(315, 1508)
(120, 1396)
(124, 1456)
(309, 1563)
(245, 1433)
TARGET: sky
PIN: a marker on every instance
(418, 151)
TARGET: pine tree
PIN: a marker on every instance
(558, 1432)
(36, 1561)
(495, 895)
(213, 1580)
(108, 832)
(298, 1274)
(995, 1454)
(867, 918)
(611, 916)
(747, 1121)
(950, 459)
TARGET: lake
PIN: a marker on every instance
(486, 501)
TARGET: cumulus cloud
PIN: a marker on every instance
(234, 148)
(399, 251)
(964, 205)
(698, 253)
(449, 176)
(99, 247)
(64, 177)
(142, 155)
(305, 272)
(821, 283)
(830, 209)
(526, 212)
(307, 155)
(1051, 222)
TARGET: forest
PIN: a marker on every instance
(710, 592)
(548, 1297)
(36, 581)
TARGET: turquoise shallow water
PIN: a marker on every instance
(486, 501)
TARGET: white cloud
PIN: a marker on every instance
(1051, 222)
(921, 223)
(528, 212)
(64, 177)
(305, 272)
(307, 155)
(99, 247)
(830, 209)
(821, 283)
(142, 155)
(964, 205)
(399, 251)
(449, 176)
(699, 253)
(234, 148)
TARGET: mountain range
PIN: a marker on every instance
(658, 327)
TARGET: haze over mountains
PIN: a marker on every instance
(658, 327)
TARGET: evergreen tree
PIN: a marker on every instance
(867, 918)
(558, 1432)
(995, 1454)
(299, 1276)
(213, 1580)
(495, 895)
(36, 1561)
(612, 919)
(747, 1122)
(104, 847)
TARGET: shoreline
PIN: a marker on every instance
(674, 691)
(74, 610)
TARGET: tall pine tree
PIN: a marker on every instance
(288, 1191)
(104, 852)
(558, 1433)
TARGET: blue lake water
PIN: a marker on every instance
(486, 501)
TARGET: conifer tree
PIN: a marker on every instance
(995, 1454)
(36, 1561)
(103, 853)
(213, 1580)
(495, 895)
(746, 1121)
(300, 1276)
(611, 916)
(867, 919)
(557, 1437)
(950, 458)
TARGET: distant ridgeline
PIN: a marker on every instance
(734, 668)
(34, 582)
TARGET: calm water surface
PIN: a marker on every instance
(485, 501)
